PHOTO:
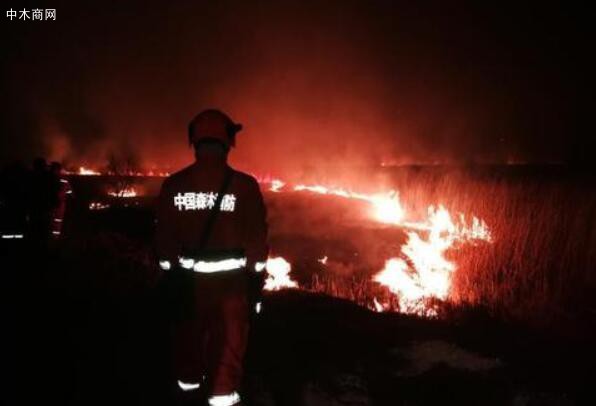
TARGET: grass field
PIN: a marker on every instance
(516, 331)
(540, 267)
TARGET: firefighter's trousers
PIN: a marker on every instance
(210, 342)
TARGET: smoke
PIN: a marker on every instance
(323, 90)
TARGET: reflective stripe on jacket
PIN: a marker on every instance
(185, 202)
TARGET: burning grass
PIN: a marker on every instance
(535, 263)
(538, 266)
(420, 272)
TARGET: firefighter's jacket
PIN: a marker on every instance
(185, 202)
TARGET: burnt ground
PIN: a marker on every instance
(68, 342)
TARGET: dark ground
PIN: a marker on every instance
(67, 341)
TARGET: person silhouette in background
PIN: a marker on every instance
(14, 202)
(60, 189)
(40, 203)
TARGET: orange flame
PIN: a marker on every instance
(88, 172)
(422, 271)
(278, 274)
(277, 185)
(387, 207)
(127, 192)
(429, 275)
(85, 170)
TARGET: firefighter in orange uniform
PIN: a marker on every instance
(212, 239)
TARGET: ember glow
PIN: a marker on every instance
(98, 206)
(125, 193)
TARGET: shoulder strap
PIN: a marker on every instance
(216, 209)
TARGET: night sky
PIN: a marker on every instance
(316, 84)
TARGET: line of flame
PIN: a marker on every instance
(420, 271)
